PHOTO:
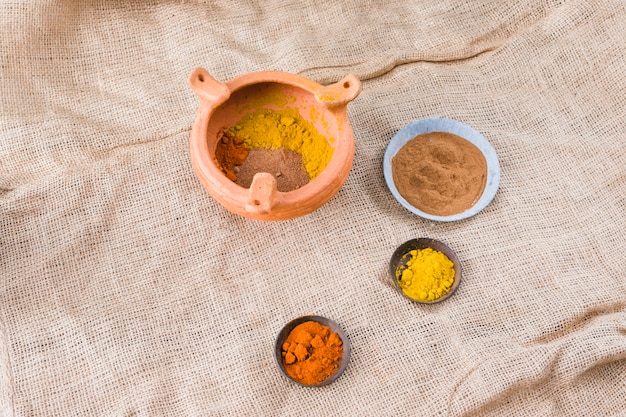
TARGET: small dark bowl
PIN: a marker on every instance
(397, 262)
(284, 333)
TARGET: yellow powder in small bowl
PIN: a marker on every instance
(425, 270)
(427, 275)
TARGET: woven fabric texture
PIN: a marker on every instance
(127, 290)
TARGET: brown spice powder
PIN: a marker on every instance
(440, 173)
(240, 164)
(284, 164)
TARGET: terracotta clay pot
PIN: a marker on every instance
(225, 104)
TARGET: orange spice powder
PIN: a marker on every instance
(312, 353)
(230, 153)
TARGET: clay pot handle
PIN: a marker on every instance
(340, 93)
(262, 193)
(207, 88)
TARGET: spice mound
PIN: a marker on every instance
(428, 275)
(230, 153)
(299, 154)
(312, 353)
(440, 173)
(286, 166)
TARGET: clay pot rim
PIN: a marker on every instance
(334, 98)
(268, 76)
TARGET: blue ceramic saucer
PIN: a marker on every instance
(419, 127)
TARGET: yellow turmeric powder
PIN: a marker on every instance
(429, 275)
(274, 129)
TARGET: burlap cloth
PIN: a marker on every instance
(126, 290)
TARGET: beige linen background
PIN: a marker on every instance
(126, 290)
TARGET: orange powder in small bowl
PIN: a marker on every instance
(312, 351)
